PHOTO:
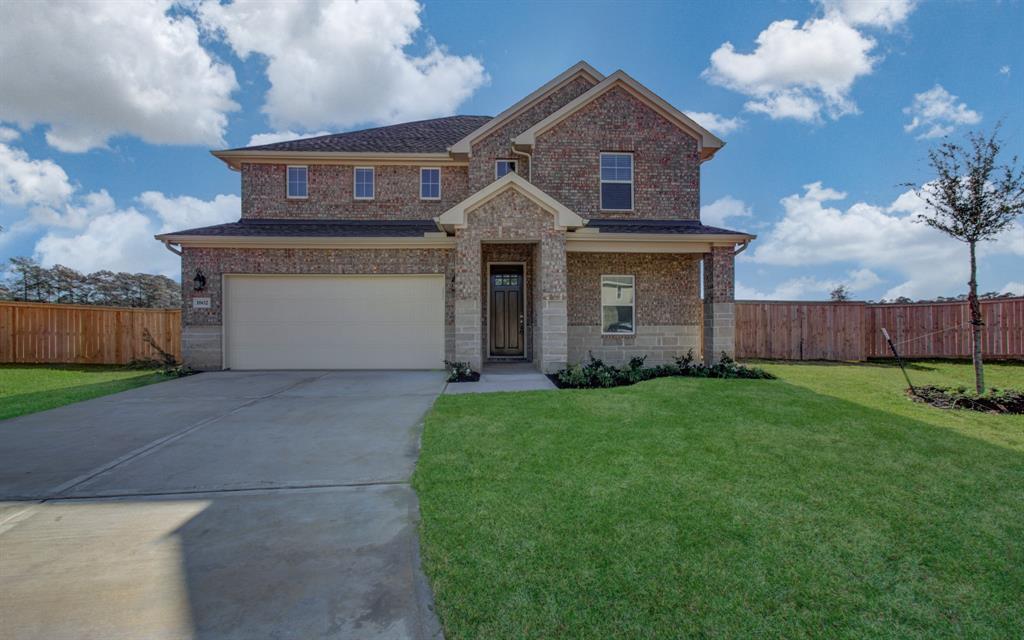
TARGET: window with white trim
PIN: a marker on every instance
(617, 181)
(618, 304)
(504, 167)
(298, 182)
(430, 183)
(363, 178)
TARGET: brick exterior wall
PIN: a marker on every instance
(201, 327)
(666, 164)
(719, 304)
(497, 144)
(396, 193)
(668, 306)
(511, 217)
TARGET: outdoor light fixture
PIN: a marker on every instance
(199, 280)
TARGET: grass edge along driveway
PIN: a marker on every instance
(27, 388)
(823, 504)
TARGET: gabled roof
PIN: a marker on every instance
(709, 143)
(423, 136)
(581, 68)
(456, 216)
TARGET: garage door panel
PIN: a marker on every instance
(334, 322)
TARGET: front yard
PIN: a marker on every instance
(27, 388)
(822, 504)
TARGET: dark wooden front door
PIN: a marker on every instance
(507, 316)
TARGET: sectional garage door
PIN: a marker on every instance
(334, 322)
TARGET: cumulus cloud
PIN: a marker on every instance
(811, 288)
(8, 134)
(92, 70)
(884, 14)
(716, 213)
(1004, 70)
(873, 237)
(1013, 288)
(186, 212)
(717, 124)
(797, 70)
(936, 113)
(24, 181)
(334, 64)
(281, 136)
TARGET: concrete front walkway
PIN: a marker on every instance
(223, 505)
(511, 376)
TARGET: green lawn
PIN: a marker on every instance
(27, 388)
(824, 504)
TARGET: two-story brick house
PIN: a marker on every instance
(567, 224)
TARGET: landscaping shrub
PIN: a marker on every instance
(595, 374)
(995, 401)
(460, 372)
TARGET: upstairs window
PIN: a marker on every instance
(617, 181)
(618, 305)
(504, 167)
(430, 183)
(364, 183)
(298, 186)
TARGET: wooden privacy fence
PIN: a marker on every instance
(853, 330)
(32, 332)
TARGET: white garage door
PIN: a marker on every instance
(334, 322)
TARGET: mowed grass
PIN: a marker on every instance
(824, 504)
(26, 388)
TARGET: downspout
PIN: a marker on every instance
(529, 159)
(167, 243)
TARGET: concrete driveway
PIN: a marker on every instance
(223, 505)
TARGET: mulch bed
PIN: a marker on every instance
(995, 401)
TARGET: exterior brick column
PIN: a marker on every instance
(719, 304)
(553, 313)
(468, 330)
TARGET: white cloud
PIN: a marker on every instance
(936, 113)
(885, 14)
(186, 212)
(281, 136)
(92, 70)
(872, 237)
(716, 213)
(811, 288)
(8, 134)
(1004, 70)
(797, 70)
(717, 124)
(334, 64)
(1013, 288)
(24, 181)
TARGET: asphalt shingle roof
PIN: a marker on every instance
(424, 136)
(656, 226)
(269, 228)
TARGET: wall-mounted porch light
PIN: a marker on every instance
(199, 280)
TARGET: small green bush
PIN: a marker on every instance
(595, 374)
(460, 372)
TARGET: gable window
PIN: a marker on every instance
(617, 181)
(618, 305)
(298, 186)
(430, 183)
(504, 167)
(364, 183)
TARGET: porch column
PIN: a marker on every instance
(719, 304)
(468, 329)
(553, 314)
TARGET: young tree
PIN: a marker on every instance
(972, 199)
(840, 294)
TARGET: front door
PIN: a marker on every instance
(507, 316)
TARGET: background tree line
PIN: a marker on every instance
(26, 280)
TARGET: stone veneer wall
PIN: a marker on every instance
(497, 144)
(396, 193)
(719, 304)
(511, 217)
(668, 306)
(201, 328)
(666, 163)
(507, 253)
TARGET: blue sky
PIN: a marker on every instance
(108, 111)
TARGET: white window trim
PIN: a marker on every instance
(373, 185)
(422, 169)
(287, 182)
(632, 175)
(602, 305)
(515, 166)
